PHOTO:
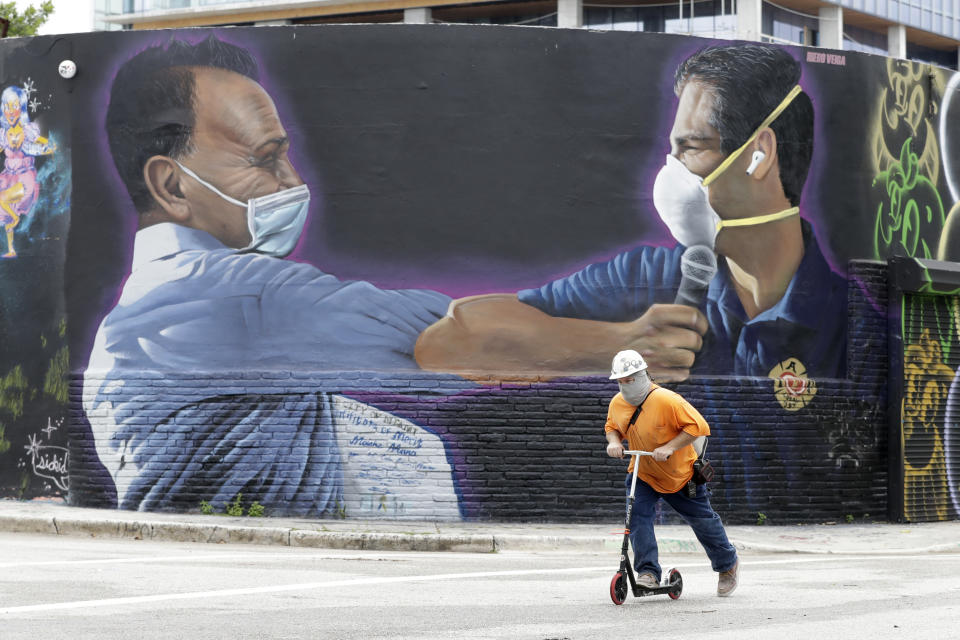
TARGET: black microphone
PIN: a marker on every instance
(698, 265)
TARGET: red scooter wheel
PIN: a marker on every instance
(618, 588)
(675, 581)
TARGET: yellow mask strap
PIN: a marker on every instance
(797, 90)
(749, 222)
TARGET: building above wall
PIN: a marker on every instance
(924, 30)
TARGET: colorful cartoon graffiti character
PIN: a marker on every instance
(21, 142)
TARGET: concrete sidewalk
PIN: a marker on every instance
(54, 517)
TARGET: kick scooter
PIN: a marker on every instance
(672, 583)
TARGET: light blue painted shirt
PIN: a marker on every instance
(192, 303)
(192, 306)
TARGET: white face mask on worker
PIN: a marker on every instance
(637, 389)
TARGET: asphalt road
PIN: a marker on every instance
(75, 588)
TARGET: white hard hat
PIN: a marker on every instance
(626, 363)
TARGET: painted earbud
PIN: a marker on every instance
(755, 160)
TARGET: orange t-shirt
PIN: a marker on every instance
(664, 415)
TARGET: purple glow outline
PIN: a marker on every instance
(117, 190)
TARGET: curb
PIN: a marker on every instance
(178, 531)
(292, 537)
(238, 534)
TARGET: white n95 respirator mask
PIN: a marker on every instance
(684, 206)
(682, 198)
(275, 221)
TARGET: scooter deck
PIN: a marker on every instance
(624, 582)
(640, 592)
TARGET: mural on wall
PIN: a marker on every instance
(21, 142)
(724, 299)
(203, 153)
(267, 251)
(910, 214)
(926, 383)
(34, 210)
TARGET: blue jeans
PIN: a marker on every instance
(697, 512)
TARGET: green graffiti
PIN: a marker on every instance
(924, 310)
(55, 382)
(13, 388)
(929, 287)
(910, 213)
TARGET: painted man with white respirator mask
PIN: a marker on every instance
(729, 191)
(203, 153)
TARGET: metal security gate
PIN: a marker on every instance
(929, 451)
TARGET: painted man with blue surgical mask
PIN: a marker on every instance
(240, 147)
(203, 153)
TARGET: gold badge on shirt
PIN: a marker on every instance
(791, 386)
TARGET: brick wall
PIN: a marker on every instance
(535, 450)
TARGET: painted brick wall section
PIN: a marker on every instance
(535, 451)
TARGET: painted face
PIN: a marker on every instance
(11, 111)
(697, 144)
(693, 140)
(240, 147)
(15, 136)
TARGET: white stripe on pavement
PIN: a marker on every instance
(353, 582)
(221, 593)
(197, 558)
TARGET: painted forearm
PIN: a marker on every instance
(498, 333)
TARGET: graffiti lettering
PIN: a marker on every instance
(401, 450)
(926, 380)
(360, 441)
(390, 464)
(48, 461)
(416, 443)
(827, 58)
(906, 110)
(909, 216)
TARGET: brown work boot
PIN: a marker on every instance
(648, 581)
(728, 581)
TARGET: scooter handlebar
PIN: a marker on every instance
(637, 453)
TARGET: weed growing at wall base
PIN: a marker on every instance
(235, 508)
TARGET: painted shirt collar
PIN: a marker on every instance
(792, 307)
(161, 241)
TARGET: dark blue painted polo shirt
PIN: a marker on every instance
(808, 323)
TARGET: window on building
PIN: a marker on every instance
(786, 26)
(938, 57)
(859, 39)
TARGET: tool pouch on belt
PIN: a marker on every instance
(702, 471)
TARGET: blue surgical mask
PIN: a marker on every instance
(275, 220)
